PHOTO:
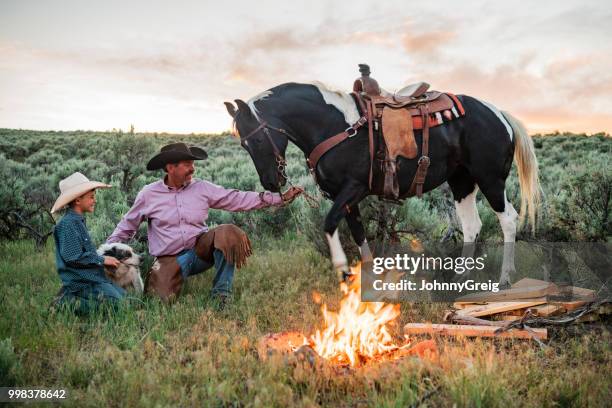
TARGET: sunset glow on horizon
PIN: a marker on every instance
(69, 65)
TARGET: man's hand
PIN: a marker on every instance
(111, 261)
(291, 194)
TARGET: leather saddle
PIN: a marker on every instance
(396, 116)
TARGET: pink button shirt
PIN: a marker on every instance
(176, 217)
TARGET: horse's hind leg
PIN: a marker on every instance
(464, 190)
(495, 193)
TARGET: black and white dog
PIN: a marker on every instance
(127, 274)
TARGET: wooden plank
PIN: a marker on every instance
(571, 304)
(547, 310)
(517, 312)
(462, 305)
(577, 293)
(529, 282)
(471, 331)
(499, 307)
(507, 295)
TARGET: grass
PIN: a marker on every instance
(186, 354)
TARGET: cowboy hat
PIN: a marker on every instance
(174, 153)
(74, 186)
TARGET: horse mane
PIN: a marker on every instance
(343, 101)
(260, 96)
(339, 99)
(251, 104)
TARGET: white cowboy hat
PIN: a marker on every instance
(73, 187)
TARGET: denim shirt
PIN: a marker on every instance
(78, 264)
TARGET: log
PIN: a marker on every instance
(577, 293)
(547, 310)
(571, 305)
(469, 320)
(499, 307)
(530, 282)
(472, 331)
(463, 305)
(514, 293)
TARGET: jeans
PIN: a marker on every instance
(89, 298)
(191, 264)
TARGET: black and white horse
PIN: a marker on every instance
(472, 152)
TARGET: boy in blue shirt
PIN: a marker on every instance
(81, 269)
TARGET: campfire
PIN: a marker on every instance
(357, 334)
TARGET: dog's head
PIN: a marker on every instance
(124, 253)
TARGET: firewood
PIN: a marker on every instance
(571, 305)
(472, 331)
(514, 293)
(509, 317)
(530, 282)
(547, 310)
(499, 307)
(577, 293)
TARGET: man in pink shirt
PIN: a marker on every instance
(175, 209)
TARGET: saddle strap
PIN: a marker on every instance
(328, 144)
(423, 164)
(370, 111)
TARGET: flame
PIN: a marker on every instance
(359, 330)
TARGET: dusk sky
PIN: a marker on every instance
(169, 65)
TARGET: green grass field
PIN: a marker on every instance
(188, 354)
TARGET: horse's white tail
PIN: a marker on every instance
(527, 165)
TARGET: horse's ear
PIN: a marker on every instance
(230, 109)
(243, 107)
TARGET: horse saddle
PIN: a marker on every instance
(397, 115)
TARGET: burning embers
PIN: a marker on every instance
(359, 332)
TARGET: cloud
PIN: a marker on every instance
(569, 94)
(551, 69)
(427, 42)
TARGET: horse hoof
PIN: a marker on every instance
(348, 277)
(343, 274)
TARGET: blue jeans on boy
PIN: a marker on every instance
(191, 264)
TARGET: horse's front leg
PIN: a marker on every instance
(351, 193)
(353, 219)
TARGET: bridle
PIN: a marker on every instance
(281, 163)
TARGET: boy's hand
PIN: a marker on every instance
(291, 194)
(111, 261)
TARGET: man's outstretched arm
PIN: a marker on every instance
(236, 200)
(128, 225)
